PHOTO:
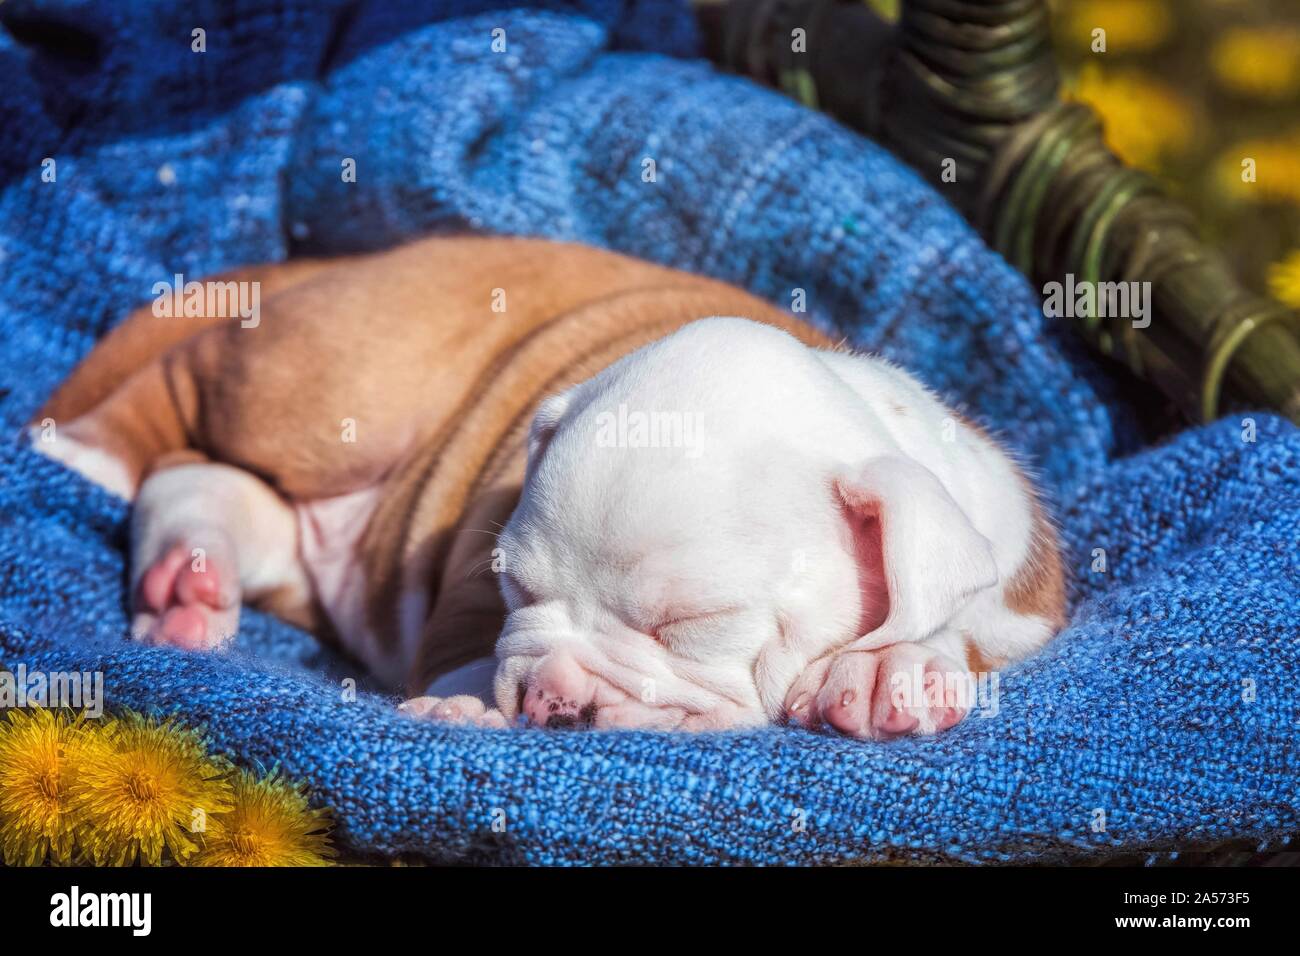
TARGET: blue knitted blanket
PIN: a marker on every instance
(1164, 717)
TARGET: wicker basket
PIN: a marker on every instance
(975, 83)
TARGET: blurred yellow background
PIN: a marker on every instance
(1188, 89)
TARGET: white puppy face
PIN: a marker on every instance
(683, 548)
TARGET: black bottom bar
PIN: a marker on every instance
(432, 907)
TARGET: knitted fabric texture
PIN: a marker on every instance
(1163, 717)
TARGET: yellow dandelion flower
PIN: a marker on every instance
(151, 788)
(1284, 280)
(1261, 170)
(37, 754)
(886, 9)
(1145, 122)
(1258, 62)
(1131, 26)
(271, 825)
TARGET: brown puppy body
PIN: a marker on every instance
(393, 390)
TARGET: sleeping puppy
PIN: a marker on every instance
(662, 502)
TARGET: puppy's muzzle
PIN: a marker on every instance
(561, 681)
(555, 712)
(561, 694)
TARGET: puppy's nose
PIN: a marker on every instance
(557, 712)
(561, 694)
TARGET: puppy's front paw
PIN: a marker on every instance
(880, 694)
(188, 596)
(461, 709)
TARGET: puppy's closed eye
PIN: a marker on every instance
(681, 624)
(660, 630)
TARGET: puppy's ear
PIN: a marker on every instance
(915, 544)
(545, 422)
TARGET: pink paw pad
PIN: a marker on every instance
(188, 600)
(879, 694)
